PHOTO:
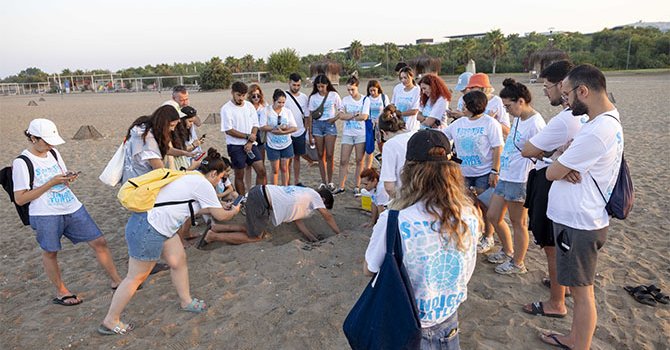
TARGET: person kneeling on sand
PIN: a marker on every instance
(281, 204)
(154, 233)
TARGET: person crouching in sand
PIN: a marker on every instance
(281, 204)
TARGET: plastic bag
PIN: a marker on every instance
(114, 169)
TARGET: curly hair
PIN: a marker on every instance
(438, 88)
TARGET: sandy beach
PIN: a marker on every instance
(283, 293)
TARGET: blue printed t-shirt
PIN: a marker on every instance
(374, 106)
(474, 141)
(330, 108)
(59, 199)
(438, 271)
(353, 127)
(513, 166)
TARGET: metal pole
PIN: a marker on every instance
(630, 39)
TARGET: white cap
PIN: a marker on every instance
(46, 130)
(174, 104)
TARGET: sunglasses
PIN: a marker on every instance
(255, 96)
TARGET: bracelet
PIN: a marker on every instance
(494, 172)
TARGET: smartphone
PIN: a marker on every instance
(203, 136)
(72, 173)
(238, 200)
(200, 156)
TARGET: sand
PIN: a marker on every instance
(285, 294)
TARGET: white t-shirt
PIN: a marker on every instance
(513, 166)
(405, 101)
(460, 105)
(353, 127)
(222, 185)
(168, 219)
(596, 153)
(496, 109)
(374, 106)
(290, 203)
(437, 111)
(474, 141)
(393, 158)
(560, 130)
(241, 118)
(379, 195)
(330, 108)
(439, 272)
(59, 199)
(271, 118)
(138, 152)
(297, 115)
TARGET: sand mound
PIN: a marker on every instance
(32, 103)
(87, 132)
(213, 118)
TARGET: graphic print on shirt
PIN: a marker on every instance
(273, 121)
(404, 103)
(471, 141)
(440, 266)
(57, 195)
(514, 138)
(351, 125)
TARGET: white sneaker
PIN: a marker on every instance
(485, 245)
(498, 257)
(322, 185)
(331, 187)
(510, 268)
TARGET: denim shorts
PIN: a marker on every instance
(479, 182)
(239, 158)
(298, 144)
(321, 128)
(274, 154)
(511, 191)
(352, 140)
(77, 227)
(442, 336)
(144, 242)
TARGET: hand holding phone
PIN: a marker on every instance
(200, 156)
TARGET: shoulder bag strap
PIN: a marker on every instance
(296, 102)
(594, 180)
(31, 169)
(190, 207)
(393, 235)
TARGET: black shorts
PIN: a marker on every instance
(299, 144)
(239, 158)
(537, 197)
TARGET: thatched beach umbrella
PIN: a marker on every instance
(543, 58)
(330, 68)
(425, 64)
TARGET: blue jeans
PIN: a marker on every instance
(443, 336)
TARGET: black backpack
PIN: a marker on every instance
(8, 184)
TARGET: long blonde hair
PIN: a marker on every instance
(440, 186)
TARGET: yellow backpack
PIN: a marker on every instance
(139, 193)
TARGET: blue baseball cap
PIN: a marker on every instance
(463, 80)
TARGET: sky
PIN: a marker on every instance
(76, 34)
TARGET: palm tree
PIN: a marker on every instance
(355, 50)
(466, 50)
(497, 46)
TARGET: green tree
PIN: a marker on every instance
(497, 46)
(215, 75)
(355, 50)
(283, 62)
(247, 63)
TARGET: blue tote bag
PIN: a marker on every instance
(386, 316)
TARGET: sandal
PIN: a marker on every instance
(196, 306)
(119, 329)
(658, 296)
(202, 242)
(61, 300)
(641, 294)
(552, 339)
(537, 308)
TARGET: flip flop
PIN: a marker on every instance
(138, 288)
(641, 294)
(61, 300)
(119, 329)
(552, 339)
(202, 242)
(537, 308)
(547, 283)
(159, 267)
(658, 296)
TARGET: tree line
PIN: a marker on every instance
(609, 49)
